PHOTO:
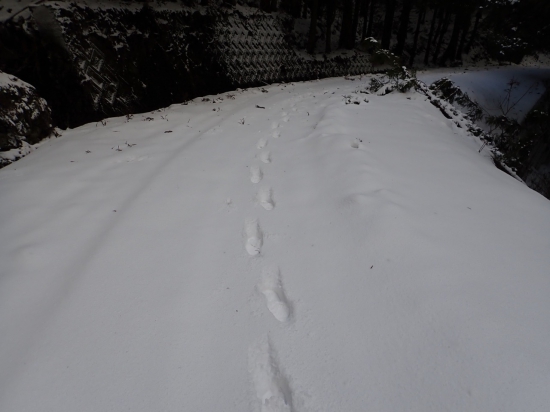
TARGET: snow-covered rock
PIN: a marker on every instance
(25, 118)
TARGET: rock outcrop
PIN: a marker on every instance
(25, 118)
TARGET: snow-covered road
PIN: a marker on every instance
(273, 250)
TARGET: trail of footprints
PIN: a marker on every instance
(271, 386)
(256, 174)
(262, 143)
(265, 198)
(265, 156)
(272, 289)
(254, 237)
(272, 389)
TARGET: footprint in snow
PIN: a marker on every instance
(272, 288)
(265, 198)
(265, 156)
(255, 174)
(276, 134)
(285, 119)
(262, 143)
(355, 145)
(254, 237)
(274, 125)
(271, 386)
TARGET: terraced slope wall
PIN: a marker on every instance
(94, 63)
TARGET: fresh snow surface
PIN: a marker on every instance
(309, 256)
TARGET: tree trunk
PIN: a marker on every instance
(403, 27)
(465, 27)
(297, 8)
(388, 24)
(442, 33)
(365, 13)
(331, 13)
(436, 15)
(264, 5)
(292, 7)
(355, 24)
(474, 31)
(371, 17)
(313, 27)
(450, 52)
(440, 23)
(345, 31)
(420, 22)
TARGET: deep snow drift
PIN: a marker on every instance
(273, 250)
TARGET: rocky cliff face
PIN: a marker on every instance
(25, 118)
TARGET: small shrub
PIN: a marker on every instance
(398, 78)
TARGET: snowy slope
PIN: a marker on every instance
(487, 86)
(318, 257)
